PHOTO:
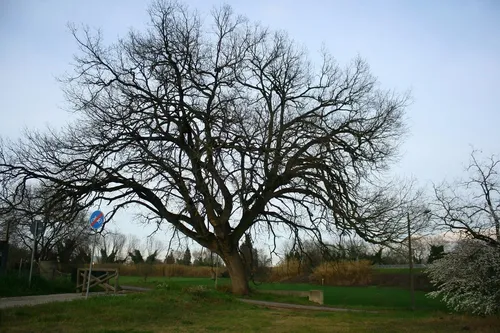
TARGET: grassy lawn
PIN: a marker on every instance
(175, 309)
(350, 297)
(365, 297)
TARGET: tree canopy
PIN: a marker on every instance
(218, 127)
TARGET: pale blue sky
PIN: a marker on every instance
(446, 52)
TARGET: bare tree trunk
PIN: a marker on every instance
(236, 269)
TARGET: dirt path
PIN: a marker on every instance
(300, 307)
(10, 302)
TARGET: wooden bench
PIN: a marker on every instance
(100, 277)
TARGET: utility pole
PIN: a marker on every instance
(410, 257)
(33, 251)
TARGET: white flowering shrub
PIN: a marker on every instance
(468, 279)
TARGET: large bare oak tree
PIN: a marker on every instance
(219, 127)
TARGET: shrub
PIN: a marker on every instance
(197, 291)
(468, 279)
(13, 285)
(343, 273)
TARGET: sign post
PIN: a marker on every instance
(96, 221)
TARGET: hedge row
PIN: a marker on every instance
(346, 273)
(170, 270)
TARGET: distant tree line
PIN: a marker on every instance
(62, 233)
(311, 254)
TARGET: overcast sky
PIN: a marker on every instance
(446, 52)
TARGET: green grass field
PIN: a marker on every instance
(350, 297)
(180, 308)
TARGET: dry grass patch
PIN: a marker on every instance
(343, 273)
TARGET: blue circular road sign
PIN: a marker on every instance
(96, 219)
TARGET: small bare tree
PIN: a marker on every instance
(112, 248)
(134, 243)
(471, 207)
(154, 246)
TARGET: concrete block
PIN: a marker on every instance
(316, 296)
